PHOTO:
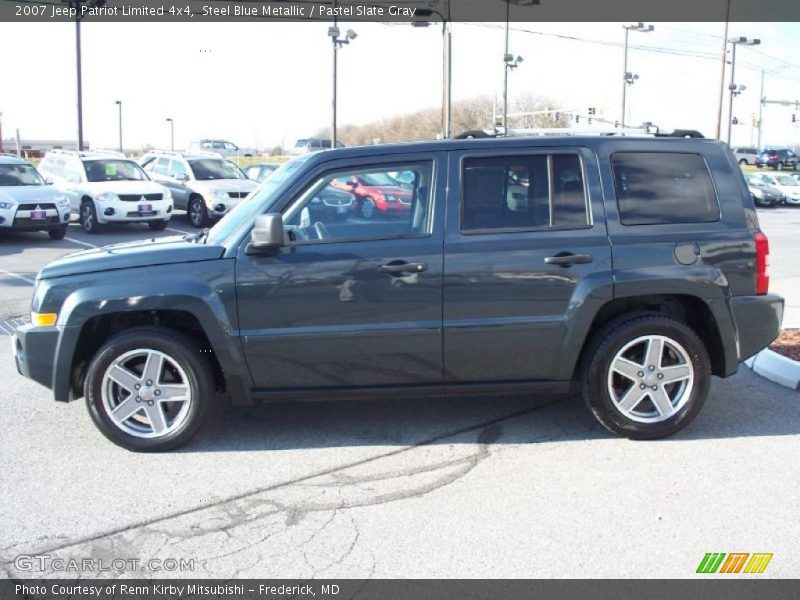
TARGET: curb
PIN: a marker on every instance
(777, 368)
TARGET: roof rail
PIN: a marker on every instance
(183, 154)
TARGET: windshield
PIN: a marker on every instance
(205, 169)
(258, 202)
(113, 170)
(785, 180)
(19, 174)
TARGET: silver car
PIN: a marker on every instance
(223, 147)
(27, 203)
(206, 186)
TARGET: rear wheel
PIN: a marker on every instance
(779, 166)
(368, 208)
(149, 389)
(646, 377)
(198, 214)
(57, 234)
(742, 161)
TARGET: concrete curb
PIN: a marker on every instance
(775, 367)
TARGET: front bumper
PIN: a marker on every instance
(35, 352)
(758, 322)
(20, 220)
(129, 212)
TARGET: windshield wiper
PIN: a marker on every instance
(197, 237)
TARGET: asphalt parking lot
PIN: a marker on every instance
(457, 488)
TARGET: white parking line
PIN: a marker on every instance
(87, 244)
(178, 231)
(17, 276)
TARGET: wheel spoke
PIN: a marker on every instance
(676, 373)
(152, 369)
(632, 398)
(173, 392)
(124, 378)
(155, 414)
(628, 368)
(125, 410)
(655, 348)
(662, 402)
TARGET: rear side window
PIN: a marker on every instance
(661, 188)
(523, 192)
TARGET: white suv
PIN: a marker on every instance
(222, 147)
(107, 187)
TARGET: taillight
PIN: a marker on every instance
(762, 262)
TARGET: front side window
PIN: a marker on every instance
(525, 192)
(113, 170)
(162, 166)
(177, 169)
(341, 206)
(660, 188)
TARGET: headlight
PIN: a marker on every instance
(220, 195)
(758, 193)
(390, 198)
(6, 205)
(107, 197)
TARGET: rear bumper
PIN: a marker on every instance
(758, 322)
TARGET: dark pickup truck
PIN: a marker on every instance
(629, 269)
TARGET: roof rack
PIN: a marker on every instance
(88, 153)
(183, 154)
(648, 130)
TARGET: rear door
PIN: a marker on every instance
(525, 245)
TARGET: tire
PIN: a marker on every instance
(159, 225)
(368, 208)
(88, 217)
(779, 166)
(742, 161)
(57, 234)
(129, 353)
(629, 338)
(197, 212)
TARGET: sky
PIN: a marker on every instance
(267, 84)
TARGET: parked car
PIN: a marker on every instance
(786, 184)
(106, 187)
(260, 171)
(306, 145)
(206, 186)
(763, 193)
(746, 155)
(222, 147)
(27, 203)
(377, 193)
(778, 159)
(465, 296)
(332, 204)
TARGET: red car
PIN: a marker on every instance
(376, 193)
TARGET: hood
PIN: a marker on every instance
(30, 194)
(126, 187)
(227, 185)
(142, 253)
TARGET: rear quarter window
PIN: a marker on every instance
(662, 188)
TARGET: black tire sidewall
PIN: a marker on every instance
(203, 214)
(610, 341)
(58, 234)
(182, 351)
(82, 220)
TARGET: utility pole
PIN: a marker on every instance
(627, 77)
(722, 69)
(760, 112)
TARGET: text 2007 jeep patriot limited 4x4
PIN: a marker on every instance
(630, 269)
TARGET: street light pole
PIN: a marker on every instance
(338, 42)
(119, 105)
(505, 69)
(722, 69)
(80, 79)
(171, 133)
(732, 87)
(628, 78)
(760, 112)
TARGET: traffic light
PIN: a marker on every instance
(794, 118)
(592, 110)
(558, 116)
(590, 120)
(577, 118)
(735, 121)
(616, 123)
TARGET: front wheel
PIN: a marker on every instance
(198, 214)
(159, 225)
(148, 389)
(742, 161)
(646, 377)
(88, 217)
(779, 166)
(368, 208)
(58, 234)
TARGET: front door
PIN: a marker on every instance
(349, 301)
(525, 245)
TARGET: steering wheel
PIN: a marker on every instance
(322, 231)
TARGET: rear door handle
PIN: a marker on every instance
(400, 266)
(565, 259)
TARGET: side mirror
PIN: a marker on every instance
(182, 177)
(267, 235)
(48, 180)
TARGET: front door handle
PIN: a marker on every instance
(565, 259)
(401, 266)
